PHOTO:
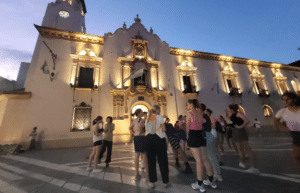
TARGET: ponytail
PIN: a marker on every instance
(152, 111)
(99, 118)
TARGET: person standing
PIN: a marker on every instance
(181, 126)
(157, 147)
(256, 125)
(197, 143)
(97, 139)
(137, 129)
(240, 121)
(288, 118)
(174, 139)
(215, 134)
(33, 136)
(107, 140)
(210, 139)
(221, 129)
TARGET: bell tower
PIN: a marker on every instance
(66, 15)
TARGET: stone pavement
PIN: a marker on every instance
(64, 170)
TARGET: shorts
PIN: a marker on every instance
(240, 134)
(296, 137)
(174, 141)
(97, 143)
(140, 144)
(229, 133)
(182, 134)
(197, 138)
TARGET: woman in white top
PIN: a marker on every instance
(157, 147)
(137, 130)
(289, 119)
(97, 139)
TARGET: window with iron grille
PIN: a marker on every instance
(81, 118)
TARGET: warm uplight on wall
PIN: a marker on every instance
(228, 68)
(185, 51)
(253, 62)
(73, 75)
(82, 53)
(160, 88)
(276, 65)
(278, 73)
(226, 58)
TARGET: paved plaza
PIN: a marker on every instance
(64, 170)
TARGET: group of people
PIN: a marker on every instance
(102, 138)
(198, 132)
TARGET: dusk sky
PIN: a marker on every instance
(266, 30)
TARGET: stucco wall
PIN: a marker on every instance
(12, 124)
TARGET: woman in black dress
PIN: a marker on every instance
(240, 121)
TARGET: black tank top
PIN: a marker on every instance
(236, 120)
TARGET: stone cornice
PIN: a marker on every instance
(91, 59)
(25, 95)
(54, 33)
(219, 57)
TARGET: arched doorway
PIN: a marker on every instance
(138, 105)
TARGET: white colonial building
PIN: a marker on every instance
(83, 77)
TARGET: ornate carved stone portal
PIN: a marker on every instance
(146, 85)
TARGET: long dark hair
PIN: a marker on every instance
(222, 118)
(294, 97)
(110, 118)
(137, 112)
(234, 107)
(195, 103)
(99, 118)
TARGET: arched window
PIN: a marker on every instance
(268, 112)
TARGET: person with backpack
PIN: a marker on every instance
(157, 147)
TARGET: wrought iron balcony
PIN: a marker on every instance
(234, 92)
(191, 89)
(263, 92)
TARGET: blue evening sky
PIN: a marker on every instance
(266, 30)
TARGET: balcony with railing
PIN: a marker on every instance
(263, 93)
(235, 92)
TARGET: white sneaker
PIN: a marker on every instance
(208, 183)
(96, 170)
(196, 186)
(89, 169)
(242, 165)
(253, 170)
(218, 178)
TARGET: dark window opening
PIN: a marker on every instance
(187, 84)
(85, 79)
(229, 83)
(140, 80)
(258, 86)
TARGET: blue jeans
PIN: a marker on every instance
(211, 153)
